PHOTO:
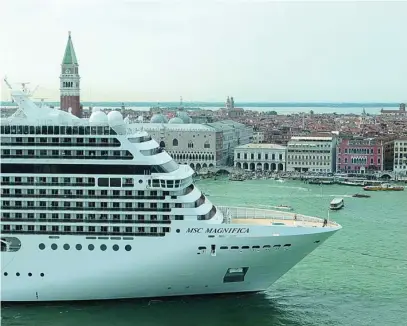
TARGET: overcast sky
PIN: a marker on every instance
(205, 50)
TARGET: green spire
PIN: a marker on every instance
(69, 56)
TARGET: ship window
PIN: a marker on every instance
(30, 274)
(5, 273)
(91, 247)
(256, 247)
(78, 247)
(115, 182)
(234, 247)
(103, 247)
(42, 274)
(166, 167)
(245, 247)
(103, 182)
(287, 245)
(223, 247)
(276, 246)
(66, 246)
(41, 246)
(115, 247)
(127, 247)
(54, 246)
(17, 274)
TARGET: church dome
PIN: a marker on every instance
(182, 115)
(176, 120)
(158, 118)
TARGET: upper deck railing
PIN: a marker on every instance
(274, 216)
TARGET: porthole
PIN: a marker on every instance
(66, 246)
(78, 247)
(41, 246)
(30, 274)
(5, 273)
(54, 246)
(177, 230)
(140, 181)
(91, 247)
(127, 247)
(115, 247)
(42, 274)
(17, 274)
(103, 247)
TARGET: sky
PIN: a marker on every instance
(256, 51)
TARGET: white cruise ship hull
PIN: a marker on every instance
(155, 267)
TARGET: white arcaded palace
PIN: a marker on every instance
(96, 209)
(264, 157)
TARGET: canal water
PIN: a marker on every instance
(358, 277)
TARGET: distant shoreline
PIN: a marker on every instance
(242, 104)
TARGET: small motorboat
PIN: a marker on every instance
(337, 204)
(285, 207)
(361, 196)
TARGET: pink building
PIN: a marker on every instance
(359, 155)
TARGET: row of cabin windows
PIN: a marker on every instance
(59, 141)
(57, 130)
(287, 245)
(85, 229)
(49, 180)
(80, 193)
(85, 169)
(66, 154)
(277, 246)
(92, 217)
(18, 274)
(78, 246)
(89, 181)
(88, 205)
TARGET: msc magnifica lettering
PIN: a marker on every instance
(218, 230)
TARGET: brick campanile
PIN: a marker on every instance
(70, 81)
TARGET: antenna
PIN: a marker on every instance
(7, 83)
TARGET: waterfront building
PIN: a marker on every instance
(70, 81)
(360, 155)
(311, 153)
(400, 156)
(197, 145)
(400, 112)
(265, 157)
(233, 134)
(258, 137)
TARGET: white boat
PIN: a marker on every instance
(92, 209)
(337, 203)
(283, 207)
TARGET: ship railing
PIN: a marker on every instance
(274, 215)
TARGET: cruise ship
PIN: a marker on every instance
(94, 209)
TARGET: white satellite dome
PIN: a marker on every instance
(98, 118)
(115, 118)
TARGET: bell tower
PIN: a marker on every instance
(70, 81)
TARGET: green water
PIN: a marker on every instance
(358, 277)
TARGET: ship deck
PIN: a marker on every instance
(256, 216)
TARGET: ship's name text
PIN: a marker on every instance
(218, 230)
